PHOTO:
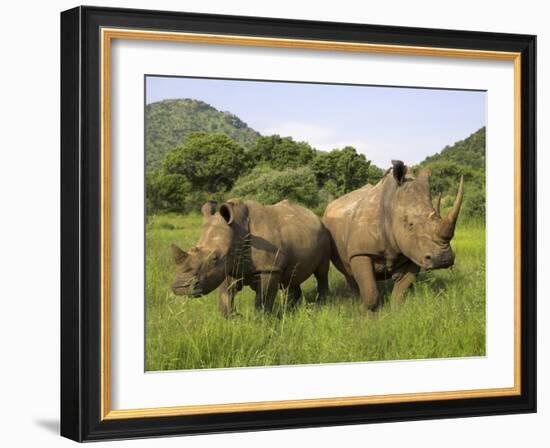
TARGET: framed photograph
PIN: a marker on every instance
(272, 223)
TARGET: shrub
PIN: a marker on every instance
(474, 203)
(280, 152)
(166, 192)
(270, 186)
(210, 162)
(343, 170)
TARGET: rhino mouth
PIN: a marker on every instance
(189, 289)
(195, 294)
(438, 262)
(188, 293)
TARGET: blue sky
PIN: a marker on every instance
(384, 123)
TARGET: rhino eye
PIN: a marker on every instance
(410, 226)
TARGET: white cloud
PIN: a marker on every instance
(301, 131)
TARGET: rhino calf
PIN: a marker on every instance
(390, 230)
(264, 247)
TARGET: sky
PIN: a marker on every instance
(384, 123)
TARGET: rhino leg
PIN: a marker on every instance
(362, 269)
(293, 296)
(403, 277)
(266, 288)
(226, 296)
(321, 275)
(352, 284)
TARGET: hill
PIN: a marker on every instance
(465, 157)
(168, 123)
(469, 152)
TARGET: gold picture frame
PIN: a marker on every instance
(107, 31)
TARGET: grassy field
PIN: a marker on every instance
(443, 315)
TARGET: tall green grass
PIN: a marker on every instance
(443, 315)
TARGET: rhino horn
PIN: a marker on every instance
(447, 226)
(438, 204)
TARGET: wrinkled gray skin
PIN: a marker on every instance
(264, 247)
(390, 230)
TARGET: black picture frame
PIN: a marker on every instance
(81, 224)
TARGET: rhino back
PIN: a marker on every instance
(287, 236)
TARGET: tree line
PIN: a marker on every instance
(273, 168)
(215, 166)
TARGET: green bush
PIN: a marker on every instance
(167, 192)
(210, 162)
(196, 199)
(270, 186)
(343, 170)
(174, 193)
(280, 152)
(474, 202)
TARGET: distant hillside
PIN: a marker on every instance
(469, 152)
(467, 158)
(169, 122)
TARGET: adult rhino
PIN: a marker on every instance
(390, 230)
(264, 247)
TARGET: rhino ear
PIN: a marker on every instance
(178, 254)
(227, 210)
(235, 212)
(208, 209)
(399, 171)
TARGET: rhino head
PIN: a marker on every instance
(419, 230)
(204, 267)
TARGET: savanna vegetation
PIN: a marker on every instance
(195, 153)
(443, 315)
